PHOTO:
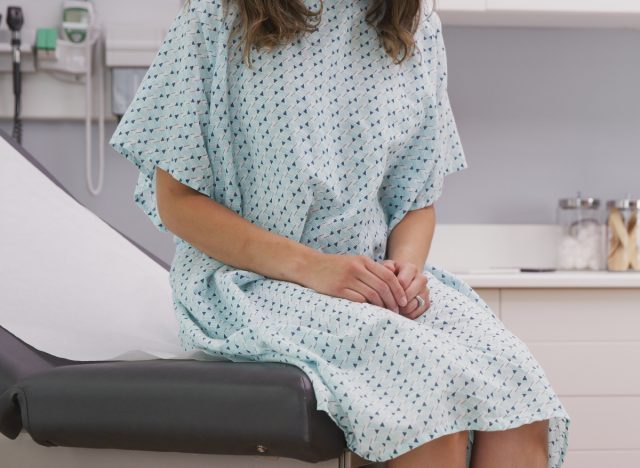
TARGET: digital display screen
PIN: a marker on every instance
(76, 15)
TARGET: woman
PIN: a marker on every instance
(296, 149)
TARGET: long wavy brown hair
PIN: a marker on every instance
(270, 23)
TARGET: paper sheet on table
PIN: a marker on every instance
(72, 286)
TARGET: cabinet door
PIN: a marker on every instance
(588, 344)
(603, 423)
(587, 340)
(571, 6)
(590, 368)
(599, 458)
(461, 5)
(572, 314)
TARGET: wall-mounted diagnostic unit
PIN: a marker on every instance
(76, 20)
(71, 52)
(15, 21)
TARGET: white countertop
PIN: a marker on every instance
(491, 255)
(559, 279)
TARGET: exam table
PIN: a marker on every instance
(171, 407)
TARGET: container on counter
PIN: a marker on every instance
(581, 245)
(623, 236)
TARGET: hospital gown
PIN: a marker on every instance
(327, 142)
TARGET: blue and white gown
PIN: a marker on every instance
(328, 142)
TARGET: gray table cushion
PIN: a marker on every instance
(163, 405)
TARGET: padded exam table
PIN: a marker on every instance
(247, 413)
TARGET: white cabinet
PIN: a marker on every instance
(571, 6)
(588, 343)
(542, 13)
(461, 5)
(587, 340)
(572, 314)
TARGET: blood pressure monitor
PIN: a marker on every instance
(77, 17)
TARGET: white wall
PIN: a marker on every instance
(543, 113)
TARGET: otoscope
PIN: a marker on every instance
(15, 20)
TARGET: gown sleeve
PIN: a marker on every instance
(167, 123)
(445, 148)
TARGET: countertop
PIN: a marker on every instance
(559, 279)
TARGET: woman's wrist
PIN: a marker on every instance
(400, 257)
(297, 266)
(410, 240)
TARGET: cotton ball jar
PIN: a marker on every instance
(581, 243)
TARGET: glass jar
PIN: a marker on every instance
(582, 232)
(623, 237)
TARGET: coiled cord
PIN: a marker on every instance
(17, 92)
(17, 121)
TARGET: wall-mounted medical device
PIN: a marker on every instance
(75, 43)
(73, 54)
(71, 49)
(27, 64)
(76, 20)
(15, 21)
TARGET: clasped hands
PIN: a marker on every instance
(391, 284)
(414, 284)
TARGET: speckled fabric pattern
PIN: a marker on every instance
(328, 142)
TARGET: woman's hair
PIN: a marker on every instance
(269, 23)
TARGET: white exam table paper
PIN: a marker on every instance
(70, 284)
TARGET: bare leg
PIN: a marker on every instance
(449, 451)
(522, 447)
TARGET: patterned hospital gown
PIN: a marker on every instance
(328, 142)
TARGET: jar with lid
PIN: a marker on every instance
(623, 237)
(582, 233)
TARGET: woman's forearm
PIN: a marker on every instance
(410, 240)
(228, 237)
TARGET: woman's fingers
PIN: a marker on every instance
(406, 273)
(371, 294)
(381, 287)
(354, 295)
(410, 307)
(390, 264)
(392, 291)
(418, 311)
(417, 287)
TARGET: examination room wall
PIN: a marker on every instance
(542, 114)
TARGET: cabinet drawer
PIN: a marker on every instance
(603, 423)
(572, 314)
(600, 458)
(590, 368)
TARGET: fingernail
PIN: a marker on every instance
(403, 301)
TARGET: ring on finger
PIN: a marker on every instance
(420, 300)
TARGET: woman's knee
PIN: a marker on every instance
(445, 451)
(530, 434)
(539, 432)
(456, 440)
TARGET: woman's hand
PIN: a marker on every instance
(414, 282)
(357, 278)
